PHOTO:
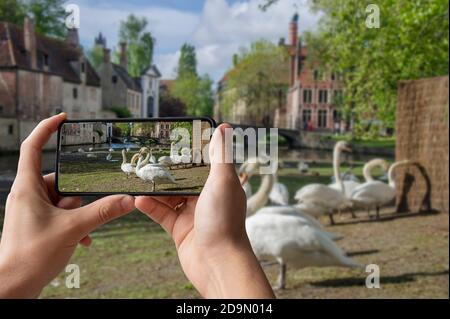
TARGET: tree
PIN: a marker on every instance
(12, 11)
(411, 43)
(121, 112)
(95, 55)
(170, 106)
(140, 44)
(266, 4)
(187, 64)
(257, 80)
(196, 93)
(49, 15)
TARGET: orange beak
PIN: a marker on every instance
(243, 178)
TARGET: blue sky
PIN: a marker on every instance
(218, 28)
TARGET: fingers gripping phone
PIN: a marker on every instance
(157, 156)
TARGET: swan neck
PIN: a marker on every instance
(260, 198)
(147, 158)
(391, 179)
(124, 157)
(337, 169)
(367, 171)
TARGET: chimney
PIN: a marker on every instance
(29, 37)
(123, 55)
(106, 55)
(293, 30)
(72, 37)
(293, 42)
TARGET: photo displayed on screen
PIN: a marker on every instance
(134, 157)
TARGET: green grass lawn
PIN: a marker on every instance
(81, 174)
(134, 258)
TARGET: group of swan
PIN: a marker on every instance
(285, 233)
(289, 233)
(146, 168)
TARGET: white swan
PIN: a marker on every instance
(376, 193)
(80, 150)
(302, 167)
(256, 203)
(151, 159)
(168, 160)
(154, 173)
(90, 149)
(326, 198)
(289, 241)
(279, 194)
(91, 155)
(128, 168)
(111, 150)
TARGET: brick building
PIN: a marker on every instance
(311, 95)
(118, 87)
(41, 76)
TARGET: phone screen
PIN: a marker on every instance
(151, 156)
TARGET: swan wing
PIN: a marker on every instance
(374, 192)
(322, 195)
(284, 236)
(279, 194)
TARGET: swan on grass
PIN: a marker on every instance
(326, 198)
(279, 194)
(287, 235)
(128, 168)
(291, 242)
(151, 158)
(377, 193)
(154, 173)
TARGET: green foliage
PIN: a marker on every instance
(258, 79)
(49, 15)
(411, 43)
(12, 11)
(196, 93)
(95, 56)
(170, 105)
(193, 91)
(121, 112)
(187, 64)
(140, 44)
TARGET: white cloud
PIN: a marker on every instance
(218, 31)
(224, 28)
(170, 27)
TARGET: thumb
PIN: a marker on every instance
(221, 151)
(103, 210)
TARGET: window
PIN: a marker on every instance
(323, 96)
(114, 79)
(306, 116)
(322, 118)
(10, 129)
(83, 67)
(307, 96)
(46, 62)
(75, 93)
(333, 76)
(1, 109)
(336, 116)
(316, 75)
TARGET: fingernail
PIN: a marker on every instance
(127, 203)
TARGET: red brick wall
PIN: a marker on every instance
(422, 136)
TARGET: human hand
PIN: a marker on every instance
(209, 232)
(41, 229)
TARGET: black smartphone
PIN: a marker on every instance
(155, 156)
